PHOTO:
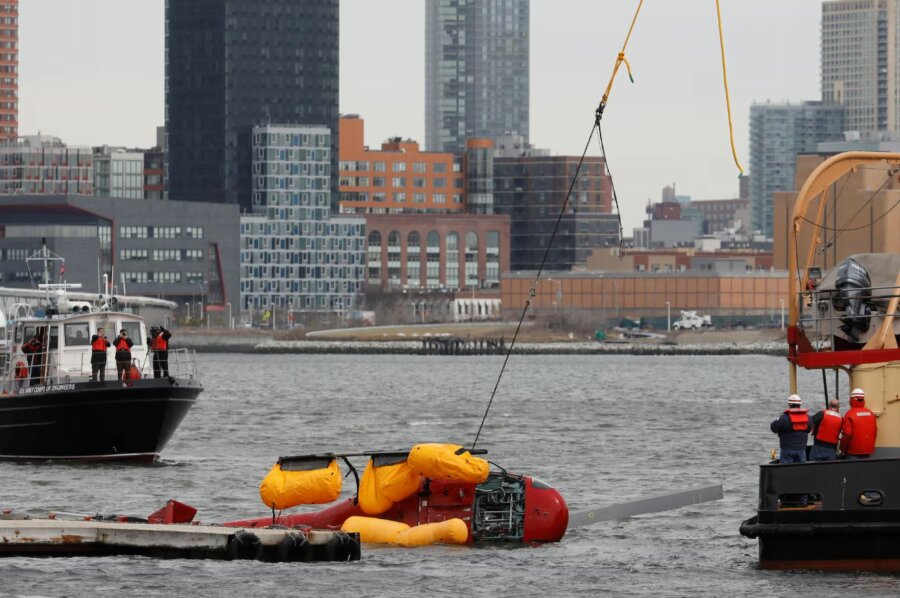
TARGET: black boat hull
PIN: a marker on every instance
(837, 515)
(94, 420)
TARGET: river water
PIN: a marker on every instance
(602, 429)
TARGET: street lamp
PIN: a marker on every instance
(187, 306)
(782, 313)
(230, 321)
(668, 317)
(200, 313)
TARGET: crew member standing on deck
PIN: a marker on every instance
(826, 428)
(33, 351)
(123, 355)
(792, 429)
(99, 345)
(859, 429)
(159, 346)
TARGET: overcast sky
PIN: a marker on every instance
(91, 72)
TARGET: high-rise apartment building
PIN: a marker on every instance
(44, 165)
(294, 256)
(476, 71)
(118, 172)
(9, 69)
(397, 178)
(531, 190)
(232, 65)
(860, 65)
(778, 132)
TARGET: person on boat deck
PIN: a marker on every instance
(123, 346)
(33, 350)
(826, 428)
(99, 345)
(159, 346)
(792, 428)
(859, 429)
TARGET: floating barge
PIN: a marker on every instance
(56, 537)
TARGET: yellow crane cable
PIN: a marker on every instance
(619, 60)
(727, 96)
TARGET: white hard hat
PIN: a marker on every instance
(858, 392)
(795, 399)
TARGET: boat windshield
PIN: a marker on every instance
(134, 331)
(77, 334)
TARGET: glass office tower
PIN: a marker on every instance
(232, 65)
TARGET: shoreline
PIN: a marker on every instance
(222, 344)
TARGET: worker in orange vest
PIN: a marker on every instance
(860, 429)
(123, 346)
(826, 431)
(158, 341)
(99, 346)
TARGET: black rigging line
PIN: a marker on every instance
(532, 291)
(843, 229)
(612, 183)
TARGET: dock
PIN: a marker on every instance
(55, 537)
(455, 345)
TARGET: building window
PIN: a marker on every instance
(451, 265)
(393, 258)
(492, 255)
(418, 198)
(132, 232)
(380, 167)
(419, 167)
(433, 260)
(471, 259)
(399, 166)
(373, 258)
(440, 167)
(398, 181)
(413, 254)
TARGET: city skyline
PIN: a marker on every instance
(670, 126)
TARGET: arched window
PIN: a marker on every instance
(471, 259)
(373, 258)
(413, 260)
(492, 260)
(393, 259)
(452, 263)
(433, 260)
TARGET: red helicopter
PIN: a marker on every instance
(506, 507)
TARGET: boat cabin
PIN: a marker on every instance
(65, 341)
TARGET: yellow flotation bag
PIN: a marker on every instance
(448, 462)
(380, 531)
(308, 482)
(383, 485)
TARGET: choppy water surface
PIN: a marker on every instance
(601, 429)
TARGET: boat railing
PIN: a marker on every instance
(824, 311)
(50, 368)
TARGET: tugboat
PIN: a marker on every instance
(842, 514)
(51, 407)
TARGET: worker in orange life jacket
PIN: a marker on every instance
(158, 341)
(99, 345)
(859, 429)
(123, 346)
(34, 353)
(792, 429)
(826, 428)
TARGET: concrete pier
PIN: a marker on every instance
(54, 537)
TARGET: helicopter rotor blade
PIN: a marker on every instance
(655, 504)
